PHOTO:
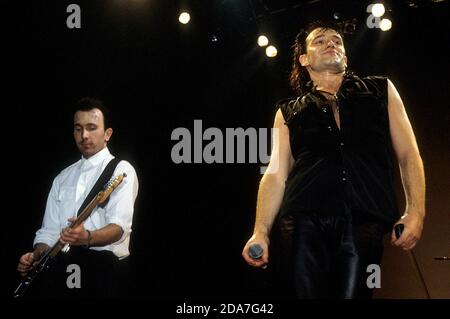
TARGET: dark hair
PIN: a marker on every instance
(299, 76)
(88, 103)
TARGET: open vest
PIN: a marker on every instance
(350, 166)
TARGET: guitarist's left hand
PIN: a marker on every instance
(76, 236)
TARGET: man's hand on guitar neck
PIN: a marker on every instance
(29, 260)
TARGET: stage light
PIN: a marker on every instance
(263, 41)
(271, 51)
(184, 18)
(413, 5)
(349, 26)
(385, 24)
(378, 10)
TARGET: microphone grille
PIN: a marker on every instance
(255, 251)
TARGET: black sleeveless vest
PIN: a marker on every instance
(350, 166)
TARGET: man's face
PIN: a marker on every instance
(89, 132)
(324, 51)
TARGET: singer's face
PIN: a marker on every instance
(324, 51)
(89, 132)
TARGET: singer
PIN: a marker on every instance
(331, 200)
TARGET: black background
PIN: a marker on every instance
(191, 220)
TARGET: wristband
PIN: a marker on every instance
(88, 239)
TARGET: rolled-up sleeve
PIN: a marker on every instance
(120, 207)
(50, 229)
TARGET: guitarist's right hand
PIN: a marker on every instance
(26, 262)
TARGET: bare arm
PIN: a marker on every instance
(271, 191)
(106, 235)
(39, 250)
(411, 170)
(100, 237)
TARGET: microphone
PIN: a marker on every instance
(255, 251)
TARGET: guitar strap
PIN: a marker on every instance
(104, 177)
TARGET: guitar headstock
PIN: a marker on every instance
(110, 186)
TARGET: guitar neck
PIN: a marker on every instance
(85, 213)
(55, 249)
(58, 246)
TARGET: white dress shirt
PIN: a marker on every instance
(71, 187)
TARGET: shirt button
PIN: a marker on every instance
(344, 172)
(342, 143)
(324, 109)
(344, 179)
(329, 128)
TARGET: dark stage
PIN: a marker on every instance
(192, 219)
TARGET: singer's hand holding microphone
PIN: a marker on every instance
(256, 253)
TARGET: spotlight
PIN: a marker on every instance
(271, 51)
(350, 26)
(184, 17)
(385, 24)
(263, 41)
(378, 10)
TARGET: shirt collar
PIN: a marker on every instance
(95, 159)
(348, 75)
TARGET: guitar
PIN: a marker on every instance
(47, 260)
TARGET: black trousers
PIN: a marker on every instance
(101, 275)
(326, 254)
